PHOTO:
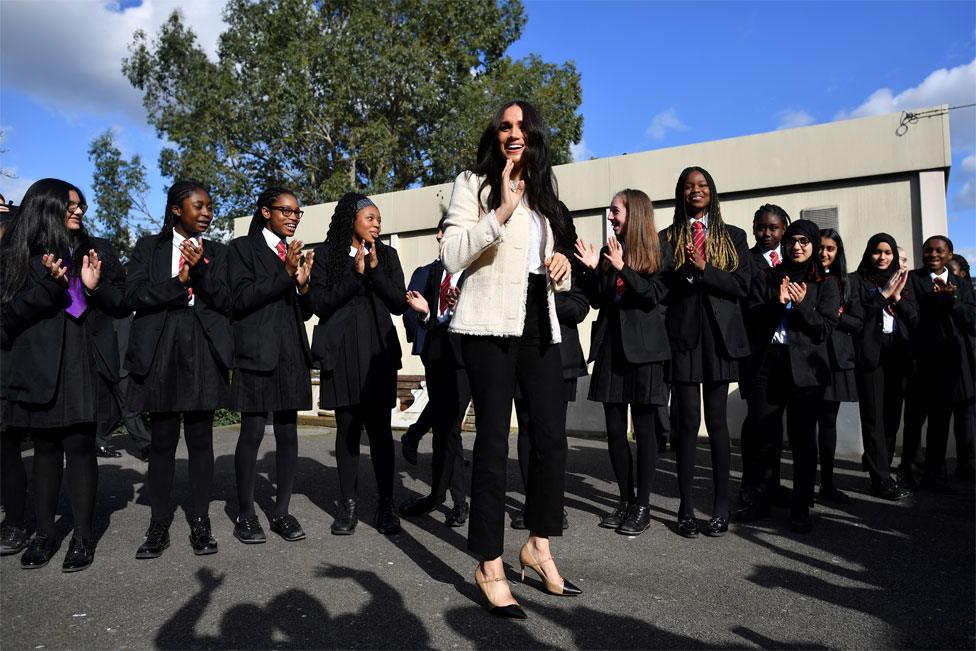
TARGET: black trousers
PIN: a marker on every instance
(774, 392)
(449, 392)
(350, 422)
(495, 365)
(881, 392)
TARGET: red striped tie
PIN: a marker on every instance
(698, 238)
(774, 258)
(445, 288)
(281, 249)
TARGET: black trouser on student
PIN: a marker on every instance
(286, 458)
(773, 392)
(350, 422)
(689, 397)
(495, 365)
(52, 449)
(13, 478)
(881, 392)
(165, 432)
(450, 393)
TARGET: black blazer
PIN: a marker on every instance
(151, 290)
(809, 325)
(383, 286)
(437, 340)
(416, 334)
(33, 326)
(643, 329)
(263, 298)
(840, 346)
(571, 308)
(723, 290)
(867, 343)
(758, 259)
(943, 335)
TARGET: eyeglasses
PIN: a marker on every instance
(72, 207)
(802, 241)
(288, 212)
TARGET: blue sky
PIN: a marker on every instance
(655, 74)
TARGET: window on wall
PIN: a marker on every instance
(823, 217)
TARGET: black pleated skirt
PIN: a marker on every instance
(286, 388)
(615, 380)
(184, 375)
(843, 387)
(82, 394)
(708, 361)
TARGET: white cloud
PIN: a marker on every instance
(965, 199)
(793, 118)
(580, 152)
(68, 55)
(664, 122)
(952, 86)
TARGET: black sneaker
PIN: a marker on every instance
(201, 540)
(80, 555)
(387, 522)
(12, 539)
(157, 539)
(287, 527)
(347, 518)
(248, 530)
(38, 553)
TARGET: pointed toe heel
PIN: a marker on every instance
(512, 611)
(563, 589)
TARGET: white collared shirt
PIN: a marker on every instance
(272, 239)
(175, 261)
(888, 325)
(944, 275)
(537, 244)
(767, 255)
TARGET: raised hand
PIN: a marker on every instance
(510, 197)
(587, 254)
(190, 252)
(304, 273)
(91, 270)
(418, 303)
(694, 258)
(54, 268)
(615, 253)
(373, 260)
(558, 267)
(293, 257)
(895, 285)
(797, 292)
(360, 260)
(784, 290)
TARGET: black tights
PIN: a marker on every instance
(13, 478)
(620, 456)
(714, 395)
(827, 440)
(51, 448)
(350, 422)
(165, 432)
(286, 458)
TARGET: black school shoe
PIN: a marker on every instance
(201, 540)
(38, 553)
(81, 553)
(347, 518)
(287, 527)
(387, 522)
(248, 530)
(616, 518)
(12, 539)
(157, 540)
(637, 522)
(688, 527)
(717, 527)
(458, 516)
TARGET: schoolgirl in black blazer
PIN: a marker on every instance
(630, 347)
(178, 356)
(792, 310)
(840, 349)
(61, 291)
(357, 284)
(708, 338)
(882, 357)
(942, 350)
(270, 302)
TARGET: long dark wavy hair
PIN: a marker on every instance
(719, 247)
(265, 200)
(38, 229)
(339, 237)
(838, 270)
(174, 198)
(541, 190)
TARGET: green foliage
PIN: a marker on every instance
(120, 193)
(328, 96)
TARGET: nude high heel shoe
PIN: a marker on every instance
(511, 611)
(528, 559)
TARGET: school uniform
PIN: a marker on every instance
(790, 368)
(272, 359)
(356, 346)
(943, 376)
(882, 363)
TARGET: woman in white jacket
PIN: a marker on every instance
(503, 226)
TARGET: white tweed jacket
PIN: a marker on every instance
(496, 261)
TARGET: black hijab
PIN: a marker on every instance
(812, 269)
(866, 268)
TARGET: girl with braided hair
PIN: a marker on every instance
(357, 286)
(712, 271)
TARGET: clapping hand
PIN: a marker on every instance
(797, 292)
(418, 303)
(587, 254)
(694, 258)
(304, 272)
(59, 273)
(91, 270)
(293, 257)
(615, 253)
(360, 260)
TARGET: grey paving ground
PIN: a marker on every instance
(873, 574)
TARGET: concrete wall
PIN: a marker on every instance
(878, 181)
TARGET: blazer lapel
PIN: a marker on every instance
(267, 258)
(162, 263)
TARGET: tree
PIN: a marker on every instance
(328, 96)
(120, 192)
